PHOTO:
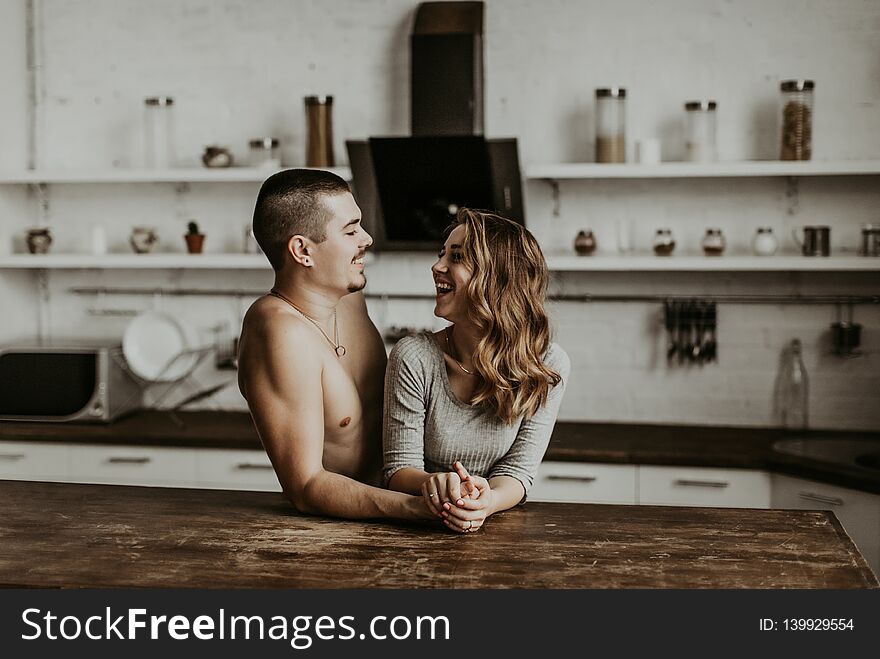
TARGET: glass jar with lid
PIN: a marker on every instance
(764, 243)
(664, 243)
(264, 153)
(796, 142)
(713, 242)
(699, 131)
(158, 132)
(611, 124)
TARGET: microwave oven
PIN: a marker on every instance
(80, 384)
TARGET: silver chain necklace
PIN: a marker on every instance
(338, 347)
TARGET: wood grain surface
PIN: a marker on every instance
(75, 536)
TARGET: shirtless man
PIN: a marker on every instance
(311, 362)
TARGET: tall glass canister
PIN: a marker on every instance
(611, 124)
(700, 131)
(797, 120)
(158, 132)
(319, 120)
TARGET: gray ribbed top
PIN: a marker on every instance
(427, 427)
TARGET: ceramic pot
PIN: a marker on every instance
(39, 241)
(585, 243)
(194, 242)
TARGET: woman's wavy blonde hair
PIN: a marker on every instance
(506, 294)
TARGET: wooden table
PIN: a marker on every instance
(67, 535)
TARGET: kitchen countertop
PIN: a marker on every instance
(66, 535)
(705, 446)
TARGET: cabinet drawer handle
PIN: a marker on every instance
(12, 457)
(810, 496)
(251, 465)
(696, 483)
(578, 479)
(128, 461)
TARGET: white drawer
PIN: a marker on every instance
(858, 512)
(236, 470)
(34, 461)
(703, 486)
(133, 465)
(584, 482)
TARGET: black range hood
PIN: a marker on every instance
(409, 188)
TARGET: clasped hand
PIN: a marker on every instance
(462, 501)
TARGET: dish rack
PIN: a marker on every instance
(166, 387)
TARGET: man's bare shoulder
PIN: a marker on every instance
(271, 327)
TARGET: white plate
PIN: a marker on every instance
(160, 348)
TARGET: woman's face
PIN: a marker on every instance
(451, 277)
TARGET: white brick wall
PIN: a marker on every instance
(240, 69)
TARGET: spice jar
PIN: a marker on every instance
(611, 125)
(264, 153)
(870, 240)
(797, 120)
(319, 120)
(713, 242)
(585, 243)
(699, 131)
(664, 243)
(39, 240)
(158, 132)
(764, 243)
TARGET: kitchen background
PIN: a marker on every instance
(239, 70)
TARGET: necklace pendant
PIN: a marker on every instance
(340, 350)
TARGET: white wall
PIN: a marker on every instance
(240, 69)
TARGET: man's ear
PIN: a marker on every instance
(299, 247)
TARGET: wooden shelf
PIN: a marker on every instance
(182, 175)
(651, 263)
(756, 168)
(136, 261)
(557, 263)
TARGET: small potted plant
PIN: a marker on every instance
(194, 238)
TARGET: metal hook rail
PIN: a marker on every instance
(564, 297)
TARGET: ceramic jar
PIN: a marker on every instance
(143, 239)
(585, 243)
(764, 243)
(39, 241)
(217, 156)
(713, 242)
(664, 243)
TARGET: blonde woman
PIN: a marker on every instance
(469, 410)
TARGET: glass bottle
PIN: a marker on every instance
(797, 120)
(793, 389)
(699, 131)
(158, 132)
(611, 125)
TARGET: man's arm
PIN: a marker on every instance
(283, 380)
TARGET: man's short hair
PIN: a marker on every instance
(291, 203)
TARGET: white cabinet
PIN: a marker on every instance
(703, 486)
(235, 470)
(133, 465)
(584, 482)
(230, 469)
(34, 461)
(858, 512)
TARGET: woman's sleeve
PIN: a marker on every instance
(403, 425)
(522, 460)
